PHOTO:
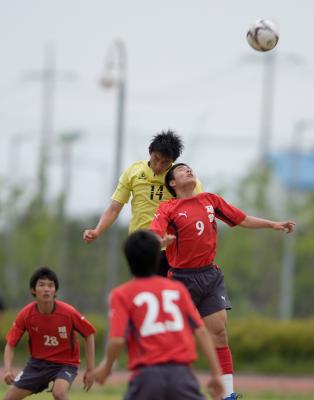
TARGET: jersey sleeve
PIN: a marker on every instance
(17, 330)
(160, 221)
(118, 315)
(228, 213)
(81, 324)
(123, 190)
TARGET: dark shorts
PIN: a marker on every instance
(164, 381)
(37, 374)
(163, 265)
(206, 286)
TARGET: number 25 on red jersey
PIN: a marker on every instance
(150, 325)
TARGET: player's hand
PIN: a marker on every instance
(287, 226)
(167, 239)
(101, 373)
(88, 380)
(8, 377)
(90, 235)
(215, 388)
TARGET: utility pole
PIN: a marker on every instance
(48, 77)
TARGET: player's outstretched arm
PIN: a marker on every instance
(259, 223)
(106, 220)
(8, 357)
(88, 377)
(103, 370)
(215, 386)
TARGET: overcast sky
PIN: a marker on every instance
(189, 68)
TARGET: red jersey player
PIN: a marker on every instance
(156, 319)
(52, 327)
(191, 220)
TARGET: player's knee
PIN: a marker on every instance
(59, 394)
(11, 396)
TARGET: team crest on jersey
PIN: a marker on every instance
(142, 176)
(62, 330)
(211, 213)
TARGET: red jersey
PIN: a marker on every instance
(52, 337)
(193, 221)
(157, 318)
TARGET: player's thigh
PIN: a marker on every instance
(150, 383)
(61, 388)
(216, 324)
(183, 384)
(15, 393)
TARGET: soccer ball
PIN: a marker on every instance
(263, 35)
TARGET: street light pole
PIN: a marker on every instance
(268, 85)
(67, 141)
(115, 76)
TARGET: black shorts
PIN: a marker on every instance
(163, 265)
(37, 374)
(206, 286)
(164, 381)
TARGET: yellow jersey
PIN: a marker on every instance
(147, 190)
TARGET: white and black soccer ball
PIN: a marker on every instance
(263, 35)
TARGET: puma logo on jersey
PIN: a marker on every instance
(35, 328)
(183, 214)
(156, 215)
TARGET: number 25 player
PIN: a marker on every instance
(155, 317)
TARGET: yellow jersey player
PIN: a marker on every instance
(144, 181)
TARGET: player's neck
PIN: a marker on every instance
(184, 193)
(45, 307)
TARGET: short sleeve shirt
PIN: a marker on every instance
(52, 337)
(193, 221)
(156, 316)
(147, 190)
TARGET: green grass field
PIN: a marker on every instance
(116, 393)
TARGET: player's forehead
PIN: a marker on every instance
(161, 157)
(45, 281)
(180, 168)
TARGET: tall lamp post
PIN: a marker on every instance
(268, 86)
(115, 76)
(67, 140)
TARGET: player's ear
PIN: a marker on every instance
(172, 183)
(33, 292)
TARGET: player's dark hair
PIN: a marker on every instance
(142, 251)
(170, 176)
(43, 273)
(168, 143)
